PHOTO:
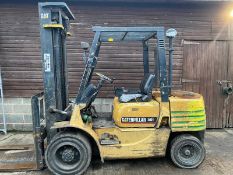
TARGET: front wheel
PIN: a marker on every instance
(187, 151)
(68, 153)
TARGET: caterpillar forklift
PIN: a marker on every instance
(151, 121)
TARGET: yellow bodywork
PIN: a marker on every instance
(187, 112)
(123, 111)
(184, 112)
(135, 142)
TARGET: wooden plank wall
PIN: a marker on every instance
(20, 47)
(205, 62)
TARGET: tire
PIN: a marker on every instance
(68, 153)
(187, 151)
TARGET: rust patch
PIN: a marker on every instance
(118, 146)
(185, 94)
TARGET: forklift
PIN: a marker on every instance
(151, 121)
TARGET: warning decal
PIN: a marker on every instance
(47, 64)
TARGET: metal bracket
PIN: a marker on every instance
(53, 26)
(4, 129)
(226, 86)
(220, 82)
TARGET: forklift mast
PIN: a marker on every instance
(54, 28)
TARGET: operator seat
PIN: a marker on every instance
(144, 94)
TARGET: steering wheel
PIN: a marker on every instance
(104, 77)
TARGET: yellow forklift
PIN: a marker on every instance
(148, 122)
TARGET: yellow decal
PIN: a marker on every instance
(110, 39)
(53, 26)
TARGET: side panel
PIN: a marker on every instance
(135, 114)
(135, 142)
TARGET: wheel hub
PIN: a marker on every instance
(68, 155)
(187, 152)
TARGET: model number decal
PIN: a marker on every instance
(138, 119)
(47, 64)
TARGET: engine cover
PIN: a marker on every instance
(135, 114)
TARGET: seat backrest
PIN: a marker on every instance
(147, 84)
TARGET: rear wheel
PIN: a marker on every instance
(187, 151)
(68, 153)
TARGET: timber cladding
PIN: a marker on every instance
(20, 45)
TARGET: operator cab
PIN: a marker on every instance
(131, 108)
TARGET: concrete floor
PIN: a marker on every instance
(219, 161)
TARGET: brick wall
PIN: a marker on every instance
(18, 112)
